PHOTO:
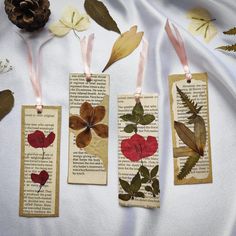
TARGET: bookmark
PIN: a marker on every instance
(138, 145)
(190, 120)
(40, 151)
(88, 123)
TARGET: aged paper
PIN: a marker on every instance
(88, 129)
(190, 167)
(40, 155)
(138, 151)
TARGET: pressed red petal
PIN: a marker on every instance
(44, 177)
(129, 150)
(49, 140)
(101, 130)
(76, 123)
(86, 111)
(35, 178)
(150, 147)
(84, 138)
(36, 139)
(98, 114)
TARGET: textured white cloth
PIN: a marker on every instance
(190, 210)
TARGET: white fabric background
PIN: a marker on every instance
(191, 210)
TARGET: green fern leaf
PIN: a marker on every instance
(189, 164)
(231, 31)
(230, 48)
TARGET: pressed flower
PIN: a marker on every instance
(89, 119)
(40, 178)
(136, 147)
(72, 19)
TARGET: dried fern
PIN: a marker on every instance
(190, 104)
(231, 31)
(189, 164)
(229, 48)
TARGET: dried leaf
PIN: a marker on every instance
(136, 183)
(124, 197)
(139, 194)
(144, 171)
(155, 186)
(183, 152)
(98, 12)
(148, 188)
(154, 171)
(124, 45)
(138, 110)
(231, 31)
(125, 185)
(146, 119)
(200, 134)
(130, 128)
(230, 48)
(129, 117)
(189, 164)
(186, 135)
(6, 102)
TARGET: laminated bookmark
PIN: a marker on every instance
(138, 145)
(40, 151)
(190, 120)
(88, 123)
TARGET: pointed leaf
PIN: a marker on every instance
(144, 180)
(183, 152)
(155, 186)
(231, 31)
(186, 135)
(144, 171)
(129, 128)
(124, 45)
(154, 171)
(138, 110)
(135, 183)
(124, 197)
(6, 102)
(99, 13)
(146, 119)
(129, 117)
(200, 134)
(230, 48)
(139, 194)
(125, 185)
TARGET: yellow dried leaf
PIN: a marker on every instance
(125, 45)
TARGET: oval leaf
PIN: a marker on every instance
(125, 185)
(154, 171)
(144, 180)
(99, 13)
(129, 117)
(129, 128)
(124, 197)
(144, 171)
(135, 183)
(155, 185)
(138, 110)
(148, 188)
(200, 134)
(6, 102)
(124, 45)
(146, 119)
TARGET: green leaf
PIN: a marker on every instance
(125, 185)
(138, 110)
(6, 102)
(124, 197)
(231, 31)
(154, 171)
(130, 128)
(135, 183)
(99, 13)
(139, 194)
(144, 171)
(189, 164)
(155, 185)
(146, 119)
(144, 180)
(148, 188)
(129, 117)
(230, 48)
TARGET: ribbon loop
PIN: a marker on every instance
(86, 50)
(179, 47)
(141, 68)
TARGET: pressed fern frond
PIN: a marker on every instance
(230, 48)
(231, 31)
(189, 164)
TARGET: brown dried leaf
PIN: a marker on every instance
(183, 152)
(6, 102)
(200, 134)
(229, 48)
(231, 31)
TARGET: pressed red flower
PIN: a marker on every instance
(40, 178)
(89, 119)
(38, 139)
(136, 147)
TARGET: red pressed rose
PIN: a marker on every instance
(39, 140)
(136, 147)
(40, 178)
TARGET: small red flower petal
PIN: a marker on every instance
(36, 139)
(49, 140)
(40, 178)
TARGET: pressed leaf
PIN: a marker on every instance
(99, 13)
(154, 171)
(183, 152)
(129, 128)
(139, 194)
(189, 164)
(148, 188)
(230, 48)
(155, 185)
(129, 117)
(124, 45)
(125, 185)
(186, 135)
(6, 102)
(144, 180)
(200, 134)
(138, 110)
(144, 171)
(231, 31)
(135, 183)
(124, 197)
(146, 119)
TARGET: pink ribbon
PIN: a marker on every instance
(141, 67)
(86, 50)
(34, 71)
(178, 45)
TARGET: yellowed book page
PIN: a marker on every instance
(88, 129)
(191, 166)
(138, 151)
(40, 152)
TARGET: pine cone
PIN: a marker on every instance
(28, 14)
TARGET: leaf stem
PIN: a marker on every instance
(40, 188)
(43, 153)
